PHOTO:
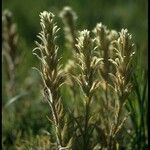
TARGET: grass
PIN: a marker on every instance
(93, 98)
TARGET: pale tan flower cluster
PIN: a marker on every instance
(52, 74)
(101, 67)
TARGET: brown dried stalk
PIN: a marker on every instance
(51, 72)
(124, 51)
(104, 37)
(88, 64)
(9, 46)
(116, 73)
(101, 64)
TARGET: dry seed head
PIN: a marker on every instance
(9, 48)
(104, 38)
(9, 34)
(85, 43)
(100, 28)
(113, 35)
(52, 73)
(87, 63)
(68, 13)
(46, 18)
(84, 47)
(84, 36)
(69, 18)
(103, 33)
(124, 52)
(7, 17)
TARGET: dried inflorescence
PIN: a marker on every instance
(122, 83)
(9, 35)
(117, 51)
(104, 38)
(69, 18)
(51, 72)
(102, 67)
(9, 47)
(88, 65)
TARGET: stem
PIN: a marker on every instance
(72, 30)
(109, 138)
(118, 117)
(87, 109)
(56, 123)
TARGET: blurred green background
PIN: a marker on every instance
(117, 14)
(28, 115)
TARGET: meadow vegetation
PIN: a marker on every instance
(79, 85)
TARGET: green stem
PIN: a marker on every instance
(85, 138)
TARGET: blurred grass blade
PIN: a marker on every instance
(145, 87)
(15, 98)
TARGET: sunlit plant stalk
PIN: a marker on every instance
(88, 64)
(117, 51)
(51, 72)
(101, 62)
(122, 83)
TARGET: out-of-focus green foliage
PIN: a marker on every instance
(116, 14)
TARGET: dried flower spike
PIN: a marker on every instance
(88, 64)
(9, 46)
(51, 72)
(124, 52)
(69, 18)
(121, 79)
(104, 38)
